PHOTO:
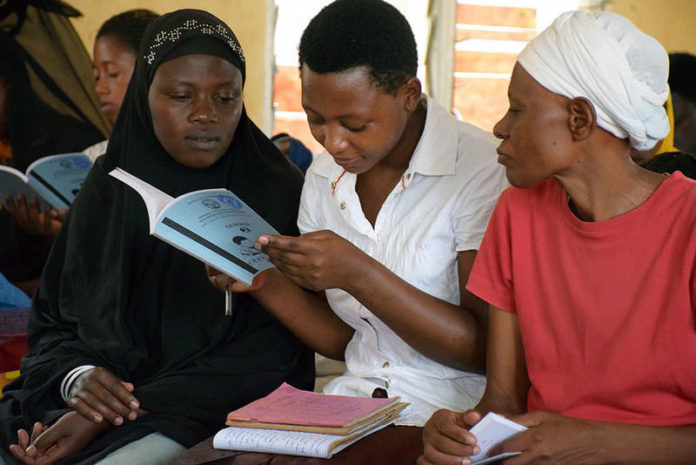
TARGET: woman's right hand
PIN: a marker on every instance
(98, 394)
(447, 440)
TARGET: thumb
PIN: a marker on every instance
(468, 419)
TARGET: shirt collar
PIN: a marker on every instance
(440, 136)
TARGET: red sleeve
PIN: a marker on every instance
(491, 275)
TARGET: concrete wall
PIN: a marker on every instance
(672, 22)
(247, 18)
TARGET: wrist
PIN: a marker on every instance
(70, 379)
(357, 273)
(267, 279)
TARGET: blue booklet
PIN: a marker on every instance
(213, 225)
(54, 180)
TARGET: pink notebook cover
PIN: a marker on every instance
(292, 406)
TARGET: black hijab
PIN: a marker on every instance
(111, 295)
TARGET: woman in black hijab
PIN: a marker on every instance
(141, 311)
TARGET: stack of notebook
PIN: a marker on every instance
(295, 422)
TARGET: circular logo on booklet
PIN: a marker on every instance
(210, 203)
(81, 162)
(230, 201)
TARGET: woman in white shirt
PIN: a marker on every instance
(391, 215)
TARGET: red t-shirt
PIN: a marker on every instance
(606, 309)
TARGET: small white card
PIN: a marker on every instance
(490, 431)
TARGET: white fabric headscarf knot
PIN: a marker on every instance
(605, 58)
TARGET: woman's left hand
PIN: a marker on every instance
(47, 446)
(555, 439)
(318, 260)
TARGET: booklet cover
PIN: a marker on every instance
(55, 180)
(213, 225)
(490, 431)
(294, 409)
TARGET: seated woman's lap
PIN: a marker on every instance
(153, 449)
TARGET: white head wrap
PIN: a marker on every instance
(605, 58)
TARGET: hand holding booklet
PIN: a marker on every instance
(490, 431)
(213, 225)
(295, 422)
(54, 180)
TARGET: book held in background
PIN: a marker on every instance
(213, 225)
(295, 422)
(54, 180)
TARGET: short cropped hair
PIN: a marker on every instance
(352, 33)
(128, 27)
(682, 75)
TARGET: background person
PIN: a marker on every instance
(294, 149)
(115, 50)
(50, 108)
(682, 81)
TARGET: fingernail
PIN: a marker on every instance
(477, 449)
(134, 404)
(263, 240)
(132, 416)
(98, 418)
(31, 450)
(118, 421)
(466, 460)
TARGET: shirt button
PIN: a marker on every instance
(385, 364)
(408, 176)
(342, 205)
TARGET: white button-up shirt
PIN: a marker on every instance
(440, 206)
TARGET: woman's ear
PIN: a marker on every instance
(582, 118)
(411, 91)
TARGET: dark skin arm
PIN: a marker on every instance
(446, 436)
(98, 394)
(442, 331)
(306, 314)
(551, 438)
(29, 217)
(48, 445)
(95, 395)
(322, 260)
(560, 439)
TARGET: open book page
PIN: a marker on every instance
(213, 225)
(295, 407)
(293, 442)
(155, 200)
(490, 431)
